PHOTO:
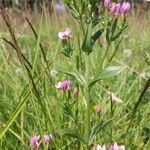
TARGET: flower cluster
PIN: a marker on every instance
(114, 146)
(35, 141)
(117, 8)
(64, 85)
(64, 36)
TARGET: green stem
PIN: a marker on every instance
(82, 26)
(111, 114)
(88, 115)
(88, 100)
(102, 62)
(114, 52)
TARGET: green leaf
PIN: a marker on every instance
(107, 73)
(96, 36)
(75, 75)
(86, 45)
(67, 110)
(97, 129)
(71, 133)
(114, 37)
(67, 50)
(111, 71)
(114, 26)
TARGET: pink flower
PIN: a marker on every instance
(47, 139)
(116, 147)
(64, 35)
(34, 142)
(64, 85)
(125, 8)
(99, 147)
(75, 91)
(107, 3)
(115, 9)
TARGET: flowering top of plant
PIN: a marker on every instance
(65, 35)
(99, 147)
(34, 142)
(64, 85)
(125, 8)
(117, 8)
(47, 139)
(115, 146)
(107, 3)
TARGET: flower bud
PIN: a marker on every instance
(98, 109)
(75, 91)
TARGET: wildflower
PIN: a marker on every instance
(125, 8)
(64, 36)
(19, 72)
(116, 147)
(75, 91)
(47, 139)
(34, 142)
(64, 85)
(107, 4)
(115, 9)
(98, 109)
(99, 147)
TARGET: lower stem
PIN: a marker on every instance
(88, 116)
(102, 62)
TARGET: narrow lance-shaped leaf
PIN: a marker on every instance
(86, 46)
(96, 36)
(75, 75)
(97, 128)
(71, 133)
(107, 73)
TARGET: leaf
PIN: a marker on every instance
(67, 50)
(86, 45)
(96, 35)
(67, 110)
(114, 26)
(71, 133)
(97, 128)
(75, 75)
(107, 73)
(111, 71)
(113, 38)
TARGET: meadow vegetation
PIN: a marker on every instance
(68, 92)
